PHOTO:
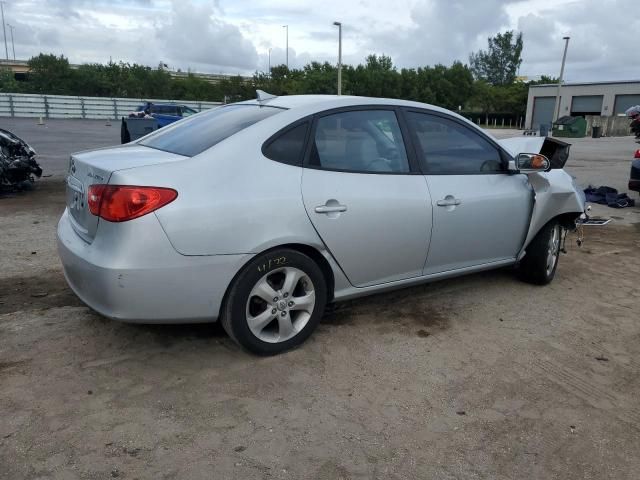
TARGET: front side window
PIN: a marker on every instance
(194, 135)
(164, 109)
(449, 147)
(187, 111)
(366, 141)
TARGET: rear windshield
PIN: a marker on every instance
(194, 135)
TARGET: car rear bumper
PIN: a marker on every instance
(137, 276)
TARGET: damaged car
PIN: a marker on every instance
(260, 213)
(18, 166)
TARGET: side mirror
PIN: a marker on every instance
(530, 162)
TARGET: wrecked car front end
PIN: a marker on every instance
(556, 194)
(18, 166)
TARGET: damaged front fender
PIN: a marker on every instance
(555, 194)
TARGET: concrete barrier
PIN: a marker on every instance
(62, 106)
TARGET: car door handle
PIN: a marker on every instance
(448, 201)
(331, 208)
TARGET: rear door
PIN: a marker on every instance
(365, 197)
(480, 212)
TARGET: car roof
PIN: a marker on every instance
(326, 102)
(163, 104)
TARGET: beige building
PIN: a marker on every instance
(580, 99)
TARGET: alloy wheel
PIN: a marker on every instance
(280, 304)
(553, 249)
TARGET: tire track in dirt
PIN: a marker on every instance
(582, 387)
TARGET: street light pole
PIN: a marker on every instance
(286, 27)
(4, 31)
(556, 112)
(13, 45)
(339, 25)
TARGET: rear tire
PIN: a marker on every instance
(275, 302)
(541, 260)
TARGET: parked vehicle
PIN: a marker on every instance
(634, 177)
(153, 116)
(260, 213)
(18, 165)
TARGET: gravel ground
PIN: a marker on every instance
(478, 377)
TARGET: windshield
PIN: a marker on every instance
(194, 135)
(187, 112)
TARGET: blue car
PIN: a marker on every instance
(151, 116)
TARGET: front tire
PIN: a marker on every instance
(275, 303)
(541, 260)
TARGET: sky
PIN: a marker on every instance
(235, 36)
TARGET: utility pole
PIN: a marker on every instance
(339, 25)
(13, 45)
(269, 61)
(4, 31)
(556, 113)
(286, 27)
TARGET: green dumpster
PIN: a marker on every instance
(574, 127)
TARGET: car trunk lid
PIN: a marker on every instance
(95, 167)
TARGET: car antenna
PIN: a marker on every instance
(263, 96)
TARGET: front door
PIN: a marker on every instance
(480, 212)
(370, 209)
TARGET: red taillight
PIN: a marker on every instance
(119, 203)
(637, 155)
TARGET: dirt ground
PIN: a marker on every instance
(480, 377)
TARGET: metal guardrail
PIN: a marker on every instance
(62, 106)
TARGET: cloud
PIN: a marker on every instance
(601, 45)
(442, 32)
(196, 36)
(234, 36)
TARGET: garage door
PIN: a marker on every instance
(623, 102)
(586, 105)
(543, 108)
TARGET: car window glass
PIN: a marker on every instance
(193, 135)
(288, 147)
(187, 112)
(452, 148)
(360, 141)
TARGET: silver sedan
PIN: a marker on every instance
(260, 213)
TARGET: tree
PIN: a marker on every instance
(376, 78)
(49, 74)
(484, 96)
(492, 90)
(499, 64)
(8, 82)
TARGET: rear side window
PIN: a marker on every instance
(289, 146)
(367, 141)
(451, 148)
(194, 135)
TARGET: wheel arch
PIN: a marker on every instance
(566, 219)
(309, 251)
